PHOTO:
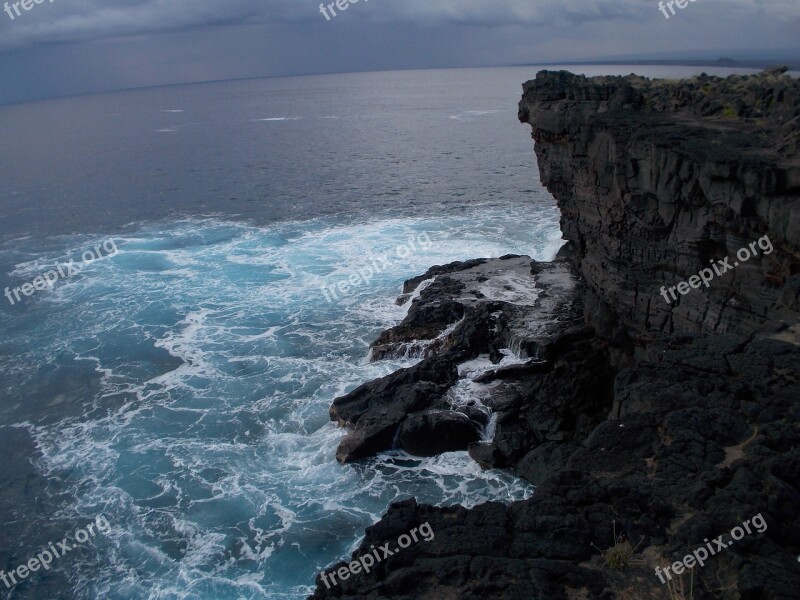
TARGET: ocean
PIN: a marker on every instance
(180, 386)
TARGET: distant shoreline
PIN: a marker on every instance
(793, 64)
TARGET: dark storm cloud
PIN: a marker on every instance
(78, 20)
(74, 46)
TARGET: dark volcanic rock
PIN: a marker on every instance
(433, 433)
(376, 409)
(413, 283)
(496, 304)
(665, 425)
(420, 326)
(701, 435)
(453, 312)
(656, 179)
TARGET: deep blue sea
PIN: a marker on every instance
(180, 387)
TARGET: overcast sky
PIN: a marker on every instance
(63, 47)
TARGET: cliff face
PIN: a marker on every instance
(647, 426)
(658, 181)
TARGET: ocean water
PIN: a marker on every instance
(180, 387)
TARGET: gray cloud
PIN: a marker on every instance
(81, 20)
(75, 46)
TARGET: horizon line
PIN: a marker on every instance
(793, 64)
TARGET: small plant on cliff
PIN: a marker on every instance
(620, 554)
(678, 592)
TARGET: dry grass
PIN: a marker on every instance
(620, 554)
(677, 590)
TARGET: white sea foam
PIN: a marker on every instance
(205, 433)
(469, 115)
(279, 119)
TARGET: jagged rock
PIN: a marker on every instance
(667, 426)
(655, 179)
(701, 434)
(432, 433)
(453, 267)
(481, 309)
(455, 312)
(486, 455)
(440, 312)
(376, 409)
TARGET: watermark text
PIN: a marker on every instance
(700, 555)
(366, 561)
(49, 279)
(705, 276)
(15, 6)
(45, 558)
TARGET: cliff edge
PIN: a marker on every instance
(647, 381)
(660, 181)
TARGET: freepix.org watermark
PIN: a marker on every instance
(662, 6)
(366, 561)
(45, 558)
(700, 555)
(340, 4)
(62, 271)
(25, 4)
(378, 264)
(720, 267)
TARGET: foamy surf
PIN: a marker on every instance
(279, 119)
(198, 389)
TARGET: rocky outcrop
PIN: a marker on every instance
(466, 311)
(697, 436)
(376, 410)
(648, 427)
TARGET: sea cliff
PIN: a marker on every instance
(647, 425)
(657, 179)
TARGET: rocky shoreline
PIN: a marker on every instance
(646, 426)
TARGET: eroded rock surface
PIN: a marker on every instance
(656, 179)
(663, 424)
(463, 325)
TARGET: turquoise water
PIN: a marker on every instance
(190, 404)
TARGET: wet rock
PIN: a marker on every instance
(432, 433)
(486, 455)
(376, 409)
(482, 309)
